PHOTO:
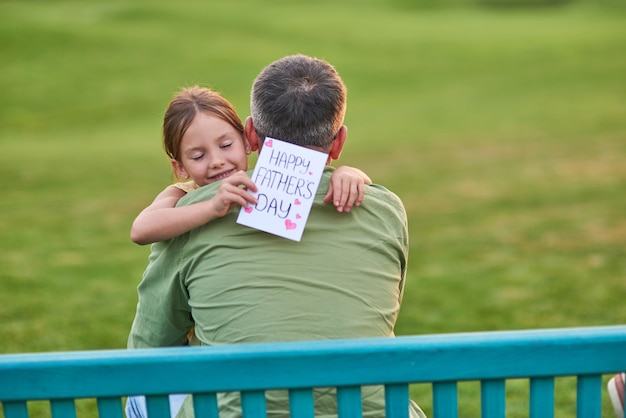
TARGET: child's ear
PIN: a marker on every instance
(179, 170)
(246, 145)
(251, 135)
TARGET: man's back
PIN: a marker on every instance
(248, 286)
(343, 280)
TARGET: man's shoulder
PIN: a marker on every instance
(381, 195)
(383, 192)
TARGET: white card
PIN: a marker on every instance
(287, 177)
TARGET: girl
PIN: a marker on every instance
(204, 138)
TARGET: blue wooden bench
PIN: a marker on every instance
(443, 361)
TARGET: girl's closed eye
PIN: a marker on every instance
(226, 145)
(197, 156)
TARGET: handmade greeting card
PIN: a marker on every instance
(287, 177)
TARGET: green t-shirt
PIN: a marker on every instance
(235, 284)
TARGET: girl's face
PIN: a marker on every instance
(211, 150)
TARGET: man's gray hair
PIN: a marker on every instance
(299, 99)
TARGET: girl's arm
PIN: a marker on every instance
(162, 220)
(346, 188)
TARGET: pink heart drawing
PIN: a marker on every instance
(298, 216)
(268, 142)
(296, 202)
(248, 209)
(289, 224)
(310, 173)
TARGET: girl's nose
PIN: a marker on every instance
(216, 161)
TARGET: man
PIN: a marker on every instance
(344, 279)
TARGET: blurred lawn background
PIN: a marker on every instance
(500, 123)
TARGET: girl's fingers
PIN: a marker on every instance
(351, 196)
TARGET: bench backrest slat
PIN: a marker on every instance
(445, 399)
(541, 397)
(349, 401)
(16, 409)
(63, 408)
(492, 398)
(158, 406)
(588, 398)
(110, 408)
(253, 403)
(301, 403)
(396, 397)
(205, 405)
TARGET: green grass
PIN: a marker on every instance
(502, 129)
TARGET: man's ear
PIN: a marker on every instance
(179, 170)
(338, 143)
(251, 135)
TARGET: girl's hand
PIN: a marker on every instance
(346, 188)
(232, 192)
